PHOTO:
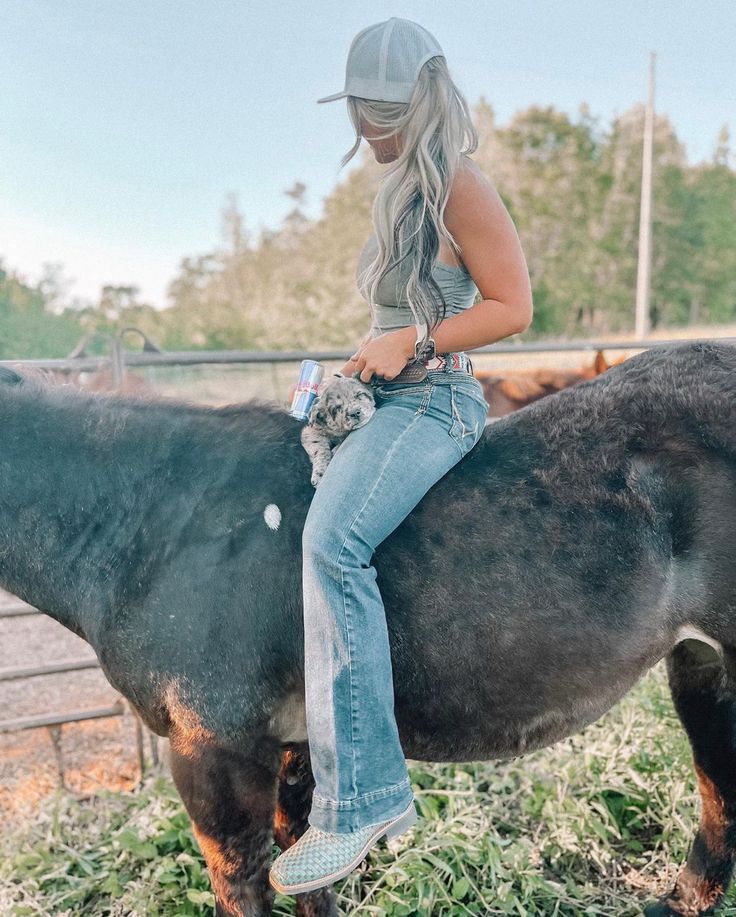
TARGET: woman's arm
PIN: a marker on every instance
(491, 251)
(490, 248)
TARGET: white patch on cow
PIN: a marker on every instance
(272, 515)
(691, 632)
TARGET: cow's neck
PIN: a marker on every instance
(58, 511)
(72, 495)
(92, 487)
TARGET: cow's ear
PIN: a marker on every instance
(10, 376)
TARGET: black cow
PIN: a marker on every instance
(584, 538)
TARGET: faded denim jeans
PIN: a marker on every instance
(378, 474)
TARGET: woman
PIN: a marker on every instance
(441, 235)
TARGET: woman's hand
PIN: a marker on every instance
(347, 369)
(385, 356)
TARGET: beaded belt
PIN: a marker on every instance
(416, 370)
(450, 363)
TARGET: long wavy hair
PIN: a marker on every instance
(408, 212)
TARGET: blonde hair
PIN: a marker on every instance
(408, 212)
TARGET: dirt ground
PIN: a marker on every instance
(97, 753)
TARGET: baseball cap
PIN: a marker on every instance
(384, 61)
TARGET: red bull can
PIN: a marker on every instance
(307, 389)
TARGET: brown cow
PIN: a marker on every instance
(513, 389)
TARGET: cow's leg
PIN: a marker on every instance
(296, 785)
(704, 693)
(231, 799)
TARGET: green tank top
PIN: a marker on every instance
(392, 311)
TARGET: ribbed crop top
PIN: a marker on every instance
(392, 310)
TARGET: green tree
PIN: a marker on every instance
(27, 329)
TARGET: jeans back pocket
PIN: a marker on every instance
(469, 411)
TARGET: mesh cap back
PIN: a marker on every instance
(385, 59)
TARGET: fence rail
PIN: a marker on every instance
(54, 722)
(18, 611)
(53, 668)
(59, 719)
(195, 357)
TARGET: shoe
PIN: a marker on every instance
(320, 858)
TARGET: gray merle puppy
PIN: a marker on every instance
(343, 405)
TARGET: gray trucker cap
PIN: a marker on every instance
(385, 59)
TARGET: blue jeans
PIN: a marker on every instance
(376, 477)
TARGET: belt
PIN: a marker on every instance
(416, 370)
(450, 363)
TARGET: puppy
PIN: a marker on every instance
(343, 405)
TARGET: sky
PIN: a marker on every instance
(126, 124)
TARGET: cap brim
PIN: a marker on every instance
(337, 95)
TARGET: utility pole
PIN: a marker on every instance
(641, 328)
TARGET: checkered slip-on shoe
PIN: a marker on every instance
(320, 858)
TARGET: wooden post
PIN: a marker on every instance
(641, 325)
(55, 735)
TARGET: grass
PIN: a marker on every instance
(596, 824)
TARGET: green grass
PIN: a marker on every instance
(596, 824)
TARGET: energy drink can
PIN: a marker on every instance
(310, 376)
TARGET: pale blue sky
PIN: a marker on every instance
(126, 123)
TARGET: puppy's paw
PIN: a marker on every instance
(319, 466)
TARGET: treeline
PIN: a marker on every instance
(28, 326)
(572, 188)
